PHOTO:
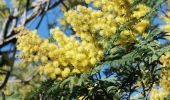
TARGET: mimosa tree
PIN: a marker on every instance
(114, 51)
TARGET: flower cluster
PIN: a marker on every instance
(58, 60)
(69, 55)
(159, 94)
(88, 23)
(141, 10)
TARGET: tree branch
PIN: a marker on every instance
(37, 8)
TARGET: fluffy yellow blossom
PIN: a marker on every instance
(65, 72)
(44, 59)
(141, 26)
(75, 71)
(126, 36)
(141, 10)
(57, 71)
